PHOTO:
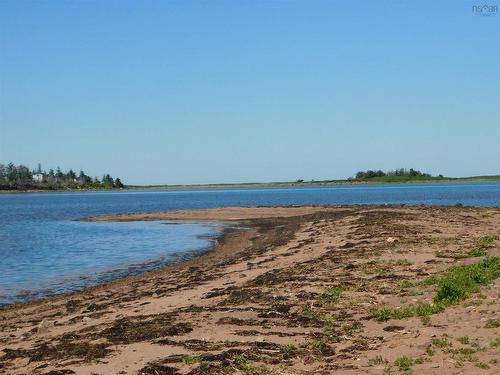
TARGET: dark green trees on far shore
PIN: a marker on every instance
(20, 177)
(400, 172)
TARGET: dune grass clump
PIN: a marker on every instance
(482, 244)
(418, 309)
(455, 285)
(192, 359)
(405, 284)
(487, 240)
(288, 348)
(495, 342)
(477, 252)
(464, 340)
(440, 342)
(241, 362)
(460, 282)
(330, 296)
(492, 323)
(404, 363)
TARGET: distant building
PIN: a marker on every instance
(38, 177)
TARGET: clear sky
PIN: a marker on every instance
(233, 91)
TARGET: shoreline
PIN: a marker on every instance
(197, 256)
(263, 185)
(143, 267)
(257, 299)
(240, 223)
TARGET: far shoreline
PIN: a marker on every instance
(435, 180)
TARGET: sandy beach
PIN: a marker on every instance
(286, 290)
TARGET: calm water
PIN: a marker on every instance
(43, 250)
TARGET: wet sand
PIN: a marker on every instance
(292, 290)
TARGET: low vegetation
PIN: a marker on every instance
(492, 323)
(242, 363)
(459, 282)
(456, 284)
(404, 363)
(464, 340)
(418, 309)
(482, 245)
(330, 296)
(288, 348)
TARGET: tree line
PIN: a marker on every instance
(20, 177)
(400, 172)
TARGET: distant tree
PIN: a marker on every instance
(39, 168)
(59, 174)
(83, 179)
(107, 180)
(3, 173)
(12, 173)
(24, 175)
(369, 174)
(71, 175)
(400, 172)
(51, 178)
(118, 183)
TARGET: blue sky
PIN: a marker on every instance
(232, 91)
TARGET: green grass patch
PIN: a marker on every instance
(192, 359)
(486, 240)
(378, 360)
(492, 323)
(495, 342)
(483, 365)
(311, 312)
(455, 285)
(241, 362)
(379, 271)
(330, 296)
(464, 340)
(402, 262)
(477, 252)
(288, 348)
(458, 282)
(482, 244)
(431, 280)
(405, 284)
(320, 346)
(418, 309)
(440, 342)
(466, 351)
(404, 363)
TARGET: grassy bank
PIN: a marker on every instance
(373, 180)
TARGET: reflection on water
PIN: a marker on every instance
(60, 256)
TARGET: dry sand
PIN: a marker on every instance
(256, 303)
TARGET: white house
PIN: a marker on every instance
(38, 177)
